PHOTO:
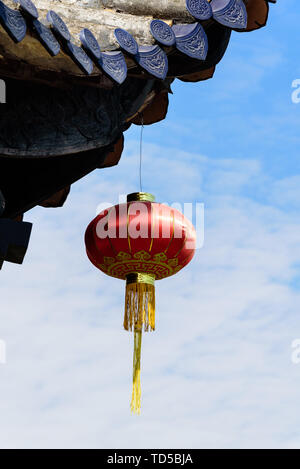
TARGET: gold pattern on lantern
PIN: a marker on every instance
(161, 257)
(123, 256)
(125, 263)
(109, 260)
(142, 256)
(173, 262)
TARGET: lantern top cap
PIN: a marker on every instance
(140, 197)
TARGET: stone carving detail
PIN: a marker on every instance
(200, 9)
(46, 37)
(113, 63)
(13, 22)
(194, 43)
(81, 57)
(29, 7)
(126, 41)
(90, 43)
(138, 33)
(162, 32)
(59, 25)
(154, 60)
(233, 15)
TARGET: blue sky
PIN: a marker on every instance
(218, 370)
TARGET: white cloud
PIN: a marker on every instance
(216, 373)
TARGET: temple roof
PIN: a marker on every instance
(101, 42)
(78, 73)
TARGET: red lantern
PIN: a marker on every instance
(140, 241)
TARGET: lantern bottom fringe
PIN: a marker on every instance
(139, 307)
(139, 316)
(136, 388)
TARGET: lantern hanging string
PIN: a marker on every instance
(141, 151)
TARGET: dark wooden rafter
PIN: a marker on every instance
(50, 146)
(14, 237)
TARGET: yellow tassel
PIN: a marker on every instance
(140, 307)
(139, 316)
(136, 388)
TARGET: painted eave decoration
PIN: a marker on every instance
(113, 39)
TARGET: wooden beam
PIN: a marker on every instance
(14, 240)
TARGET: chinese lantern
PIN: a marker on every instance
(140, 242)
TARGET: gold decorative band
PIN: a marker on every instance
(140, 197)
(140, 278)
